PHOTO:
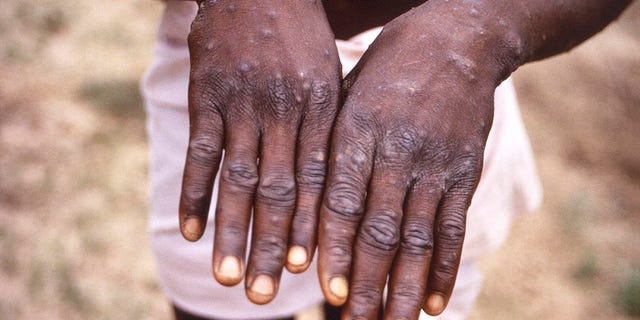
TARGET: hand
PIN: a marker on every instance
(406, 157)
(264, 85)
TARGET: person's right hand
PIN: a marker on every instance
(265, 78)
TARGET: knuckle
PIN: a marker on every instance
(209, 88)
(445, 272)
(241, 176)
(366, 295)
(403, 144)
(468, 167)
(277, 189)
(194, 198)
(279, 97)
(270, 246)
(381, 232)
(204, 151)
(232, 232)
(409, 140)
(417, 238)
(344, 200)
(304, 219)
(436, 152)
(322, 94)
(312, 173)
(451, 230)
(409, 293)
(340, 252)
(303, 229)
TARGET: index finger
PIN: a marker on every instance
(349, 172)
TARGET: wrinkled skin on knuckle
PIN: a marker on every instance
(381, 233)
(340, 252)
(277, 189)
(409, 293)
(312, 173)
(232, 231)
(465, 172)
(207, 91)
(280, 97)
(322, 104)
(343, 200)
(400, 147)
(364, 296)
(241, 176)
(409, 140)
(322, 94)
(270, 249)
(203, 151)
(451, 231)
(417, 239)
(444, 274)
(305, 221)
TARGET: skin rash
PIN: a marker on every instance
(377, 169)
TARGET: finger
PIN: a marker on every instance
(238, 181)
(408, 280)
(377, 241)
(311, 167)
(201, 166)
(275, 200)
(342, 208)
(449, 237)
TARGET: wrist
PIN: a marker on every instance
(476, 33)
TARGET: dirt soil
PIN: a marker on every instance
(73, 172)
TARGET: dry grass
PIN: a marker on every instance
(73, 167)
(573, 257)
(73, 172)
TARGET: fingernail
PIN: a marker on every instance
(297, 256)
(435, 304)
(262, 289)
(339, 287)
(191, 229)
(229, 271)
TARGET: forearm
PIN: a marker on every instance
(506, 34)
(546, 28)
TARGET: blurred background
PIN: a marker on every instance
(73, 174)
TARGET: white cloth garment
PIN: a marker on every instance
(509, 185)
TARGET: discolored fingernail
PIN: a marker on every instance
(229, 271)
(262, 289)
(191, 228)
(297, 256)
(339, 287)
(435, 304)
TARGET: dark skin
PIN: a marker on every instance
(407, 138)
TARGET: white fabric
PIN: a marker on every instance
(509, 185)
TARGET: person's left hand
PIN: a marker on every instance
(406, 157)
